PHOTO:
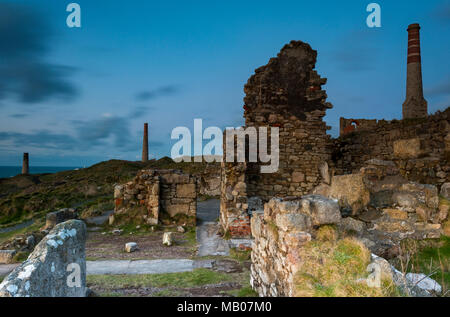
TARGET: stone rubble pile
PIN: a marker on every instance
(383, 208)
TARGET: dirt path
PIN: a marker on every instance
(145, 266)
(17, 227)
(209, 242)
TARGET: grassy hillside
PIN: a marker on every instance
(26, 196)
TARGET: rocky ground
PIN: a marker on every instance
(214, 273)
(101, 246)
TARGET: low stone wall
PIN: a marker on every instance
(56, 267)
(178, 194)
(153, 192)
(278, 234)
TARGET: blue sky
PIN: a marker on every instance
(77, 96)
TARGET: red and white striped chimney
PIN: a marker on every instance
(415, 105)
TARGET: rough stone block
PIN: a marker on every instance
(172, 210)
(186, 190)
(131, 247)
(53, 218)
(396, 213)
(6, 256)
(56, 267)
(351, 224)
(322, 210)
(407, 149)
(350, 192)
(298, 177)
(294, 222)
(445, 190)
(256, 223)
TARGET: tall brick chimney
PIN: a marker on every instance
(145, 144)
(25, 164)
(415, 105)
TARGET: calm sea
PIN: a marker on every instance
(9, 171)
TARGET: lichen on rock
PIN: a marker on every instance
(56, 267)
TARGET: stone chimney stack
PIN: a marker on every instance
(415, 105)
(25, 164)
(145, 144)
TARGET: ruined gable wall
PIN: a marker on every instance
(428, 164)
(286, 93)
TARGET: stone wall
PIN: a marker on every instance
(234, 215)
(285, 94)
(351, 125)
(208, 181)
(279, 233)
(156, 193)
(419, 147)
(383, 208)
(56, 267)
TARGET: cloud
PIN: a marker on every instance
(18, 115)
(112, 134)
(356, 52)
(440, 89)
(41, 139)
(139, 111)
(25, 39)
(159, 92)
(98, 131)
(442, 12)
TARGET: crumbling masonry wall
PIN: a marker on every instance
(279, 234)
(419, 147)
(351, 125)
(286, 93)
(153, 193)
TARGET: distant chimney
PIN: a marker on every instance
(415, 105)
(25, 164)
(145, 144)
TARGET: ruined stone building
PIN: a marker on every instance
(286, 93)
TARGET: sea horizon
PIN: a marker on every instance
(11, 171)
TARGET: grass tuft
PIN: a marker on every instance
(331, 268)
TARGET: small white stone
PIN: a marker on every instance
(131, 247)
(167, 239)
